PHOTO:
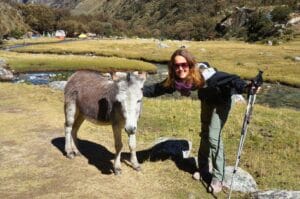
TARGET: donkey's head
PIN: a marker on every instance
(130, 96)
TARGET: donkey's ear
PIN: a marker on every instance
(118, 75)
(142, 75)
(114, 76)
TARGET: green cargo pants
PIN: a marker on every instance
(213, 118)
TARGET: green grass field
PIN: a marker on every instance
(25, 62)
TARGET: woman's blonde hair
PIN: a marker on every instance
(193, 77)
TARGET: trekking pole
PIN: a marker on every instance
(254, 85)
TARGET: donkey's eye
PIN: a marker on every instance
(139, 101)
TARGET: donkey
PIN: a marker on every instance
(104, 100)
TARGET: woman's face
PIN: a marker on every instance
(181, 67)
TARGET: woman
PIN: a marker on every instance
(214, 91)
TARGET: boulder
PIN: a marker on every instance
(5, 73)
(58, 85)
(242, 181)
(297, 58)
(276, 194)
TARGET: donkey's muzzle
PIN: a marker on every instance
(130, 130)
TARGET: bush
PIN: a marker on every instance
(281, 14)
(17, 33)
(259, 27)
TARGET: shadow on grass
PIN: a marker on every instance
(102, 158)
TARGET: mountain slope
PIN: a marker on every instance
(10, 20)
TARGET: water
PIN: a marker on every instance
(272, 95)
(42, 77)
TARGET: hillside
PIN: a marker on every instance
(69, 4)
(10, 20)
(167, 19)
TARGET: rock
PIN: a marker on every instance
(202, 49)
(236, 20)
(5, 73)
(162, 45)
(297, 58)
(3, 63)
(294, 20)
(58, 85)
(242, 181)
(276, 194)
(270, 43)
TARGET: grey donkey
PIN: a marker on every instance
(103, 100)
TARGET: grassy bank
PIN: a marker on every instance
(231, 56)
(24, 62)
(29, 41)
(32, 163)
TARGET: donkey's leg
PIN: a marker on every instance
(74, 143)
(70, 111)
(132, 147)
(118, 146)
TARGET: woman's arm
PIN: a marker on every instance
(157, 89)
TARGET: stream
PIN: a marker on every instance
(272, 95)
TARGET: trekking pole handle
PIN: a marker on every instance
(256, 83)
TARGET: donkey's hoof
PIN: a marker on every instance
(70, 155)
(117, 171)
(137, 168)
(77, 153)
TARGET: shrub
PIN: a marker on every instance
(280, 14)
(17, 33)
(259, 27)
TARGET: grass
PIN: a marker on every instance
(230, 56)
(41, 62)
(271, 150)
(32, 164)
(28, 41)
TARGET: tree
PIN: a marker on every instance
(39, 18)
(69, 26)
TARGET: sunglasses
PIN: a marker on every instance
(183, 65)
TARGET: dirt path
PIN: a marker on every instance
(32, 164)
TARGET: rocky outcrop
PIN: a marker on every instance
(234, 21)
